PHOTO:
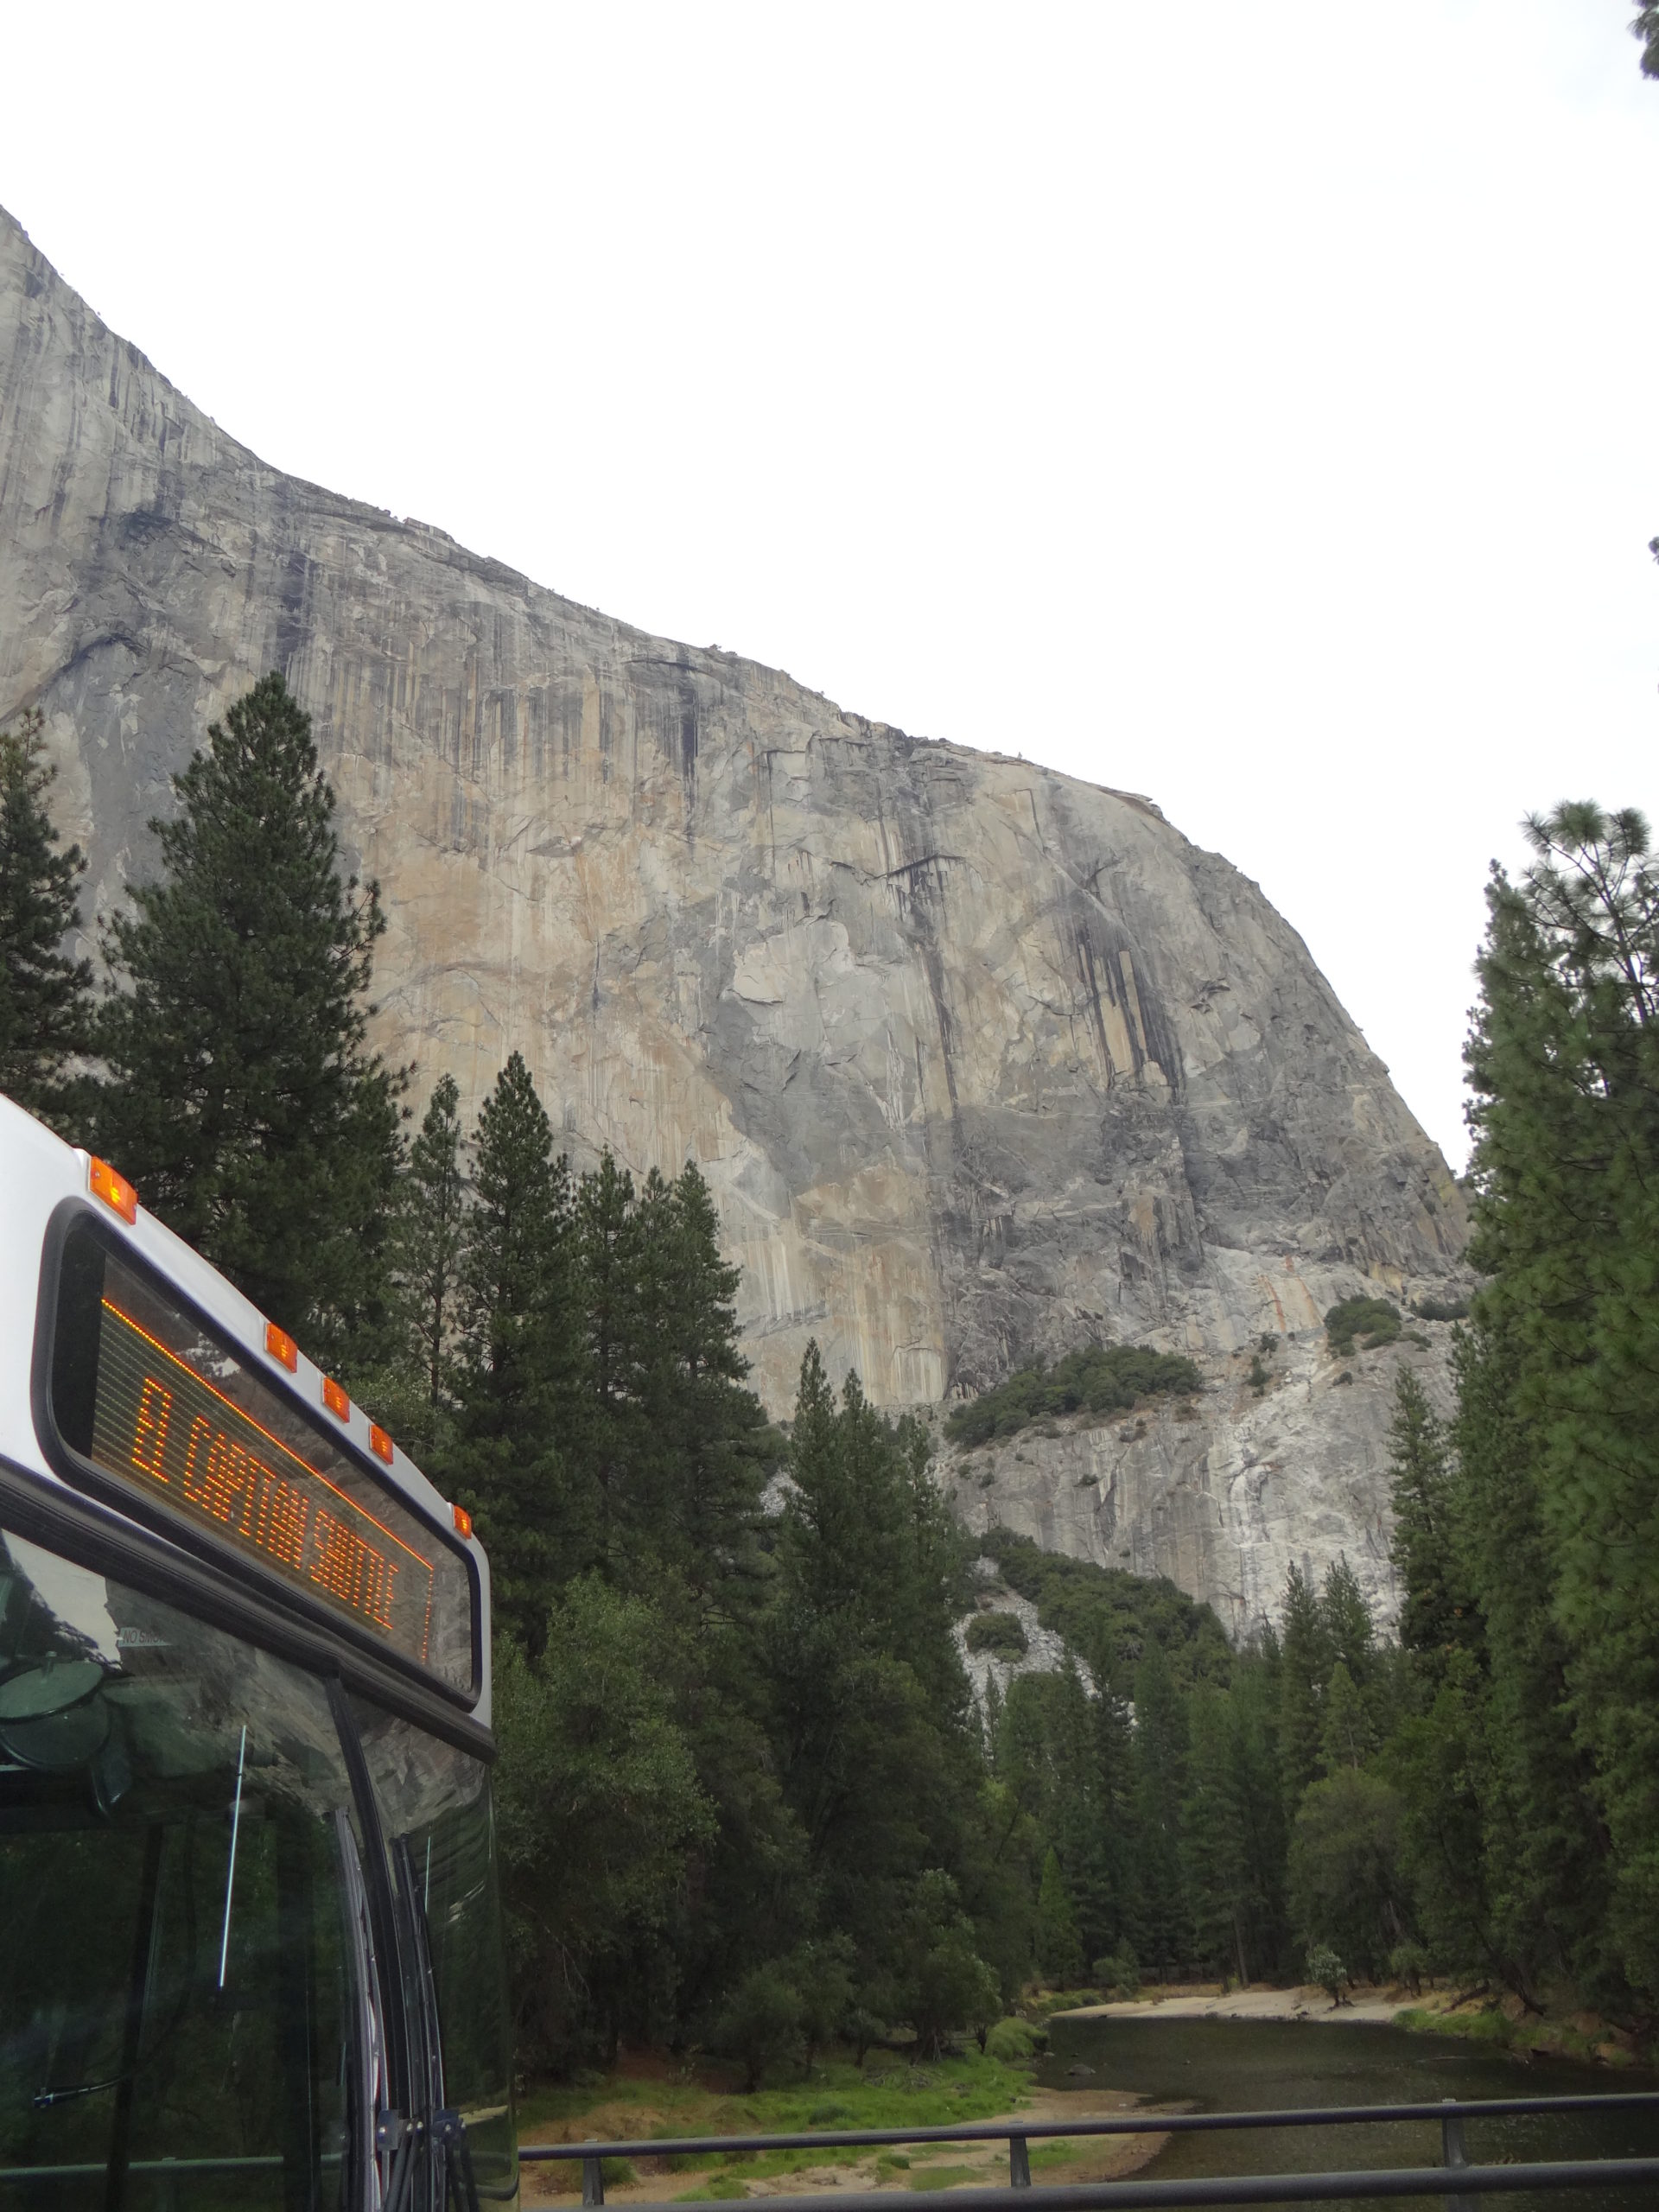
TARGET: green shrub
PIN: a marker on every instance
(827, 2113)
(1120, 1971)
(1366, 1322)
(1408, 1962)
(862, 2027)
(1325, 1969)
(1010, 2041)
(1441, 1309)
(1259, 1376)
(760, 2025)
(1001, 1633)
(618, 2171)
(1101, 1379)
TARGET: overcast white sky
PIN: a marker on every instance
(1253, 406)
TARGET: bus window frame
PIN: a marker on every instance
(153, 1515)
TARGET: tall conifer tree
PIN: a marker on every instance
(1304, 1668)
(1059, 1947)
(1435, 1612)
(1350, 1631)
(696, 1386)
(875, 1752)
(44, 994)
(1160, 1751)
(429, 1247)
(1561, 1397)
(1215, 1861)
(622, 1455)
(242, 1097)
(516, 1375)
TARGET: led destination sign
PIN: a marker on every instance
(176, 1416)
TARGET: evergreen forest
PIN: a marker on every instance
(747, 1801)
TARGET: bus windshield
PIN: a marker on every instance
(192, 2012)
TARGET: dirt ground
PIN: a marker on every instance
(969, 2165)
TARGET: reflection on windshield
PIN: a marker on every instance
(434, 1803)
(177, 2018)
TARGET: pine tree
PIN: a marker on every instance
(1350, 1631)
(516, 1374)
(1436, 1613)
(1114, 1766)
(1440, 1765)
(1346, 1737)
(618, 1448)
(1564, 1064)
(1060, 1948)
(696, 1389)
(44, 995)
(1546, 1857)
(1082, 1818)
(1214, 1850)
(1160, 1782)
(428, 1243)
(1304, 1660)
(664, 1429)
(241, 1097)
(1253, 1749)
(875, 1748)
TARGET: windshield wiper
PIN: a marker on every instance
(449, 2133)
(230, 1871)
(445, 2130)
(42, 2098)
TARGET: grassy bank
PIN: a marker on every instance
(651, 2097)
(1504, 2025)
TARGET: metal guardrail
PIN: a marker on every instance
(167, 2169)
(1454, 2179)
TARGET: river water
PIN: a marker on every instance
(1257, 2065)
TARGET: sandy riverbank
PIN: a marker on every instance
(1248, 2004)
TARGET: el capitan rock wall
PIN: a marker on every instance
(980, 1060)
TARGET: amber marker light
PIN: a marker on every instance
(114, 1189)
(379, 1443)
(282, 1346)
(335, 1398)
(463, 1521)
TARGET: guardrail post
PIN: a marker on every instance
(1452, 2157)
(1019, 2162)
(593, 2182)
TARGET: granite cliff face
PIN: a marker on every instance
(979, 1059)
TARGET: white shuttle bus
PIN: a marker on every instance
(250, 1932)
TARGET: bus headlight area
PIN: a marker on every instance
(249, 1936)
